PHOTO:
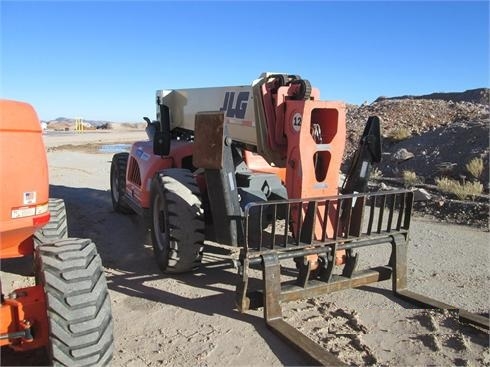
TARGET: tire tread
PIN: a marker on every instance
(185, 219)
(78, 303)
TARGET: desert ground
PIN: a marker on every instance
(191, 319)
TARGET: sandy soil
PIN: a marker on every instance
(191, 320)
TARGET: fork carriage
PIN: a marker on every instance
(279, 231)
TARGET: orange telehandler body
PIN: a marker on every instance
(24, 193)
(258, 167)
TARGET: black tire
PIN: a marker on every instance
(176, 221)
(78, 303)
(118, 183)
(56, 228)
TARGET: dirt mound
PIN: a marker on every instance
(440, 137)
(127, 125)
(414, 116)
(443, 151)
(479, 95)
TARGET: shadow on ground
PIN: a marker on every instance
(121, 242)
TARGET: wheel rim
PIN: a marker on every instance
(159, 223)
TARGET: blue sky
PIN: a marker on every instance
(104, 60)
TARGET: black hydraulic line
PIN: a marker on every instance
(368, 152)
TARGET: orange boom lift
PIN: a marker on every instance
(68, 310)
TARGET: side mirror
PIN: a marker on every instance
(161, 138)
(161, 143)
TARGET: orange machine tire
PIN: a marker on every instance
(57, 227)
(177, 221)
(118, 183)
(78, 303)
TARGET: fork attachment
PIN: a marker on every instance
(296, 233)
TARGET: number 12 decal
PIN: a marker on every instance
(297, 119)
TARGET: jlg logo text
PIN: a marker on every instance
(235, 109)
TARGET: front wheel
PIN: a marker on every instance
(177, 221)
(118, 183)
(78, 303)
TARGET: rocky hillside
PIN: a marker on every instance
(436, 131)
(67, 124)
(479, 96)
(433, 136)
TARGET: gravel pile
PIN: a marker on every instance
(417, 116)
(442, 136)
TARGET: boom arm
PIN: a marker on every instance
(280, 117)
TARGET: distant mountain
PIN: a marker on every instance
(66, 124)
(479, 95)
(69, 120)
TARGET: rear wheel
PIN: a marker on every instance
(57, 227)
(78, 303)
(177, 221)
(118, 183)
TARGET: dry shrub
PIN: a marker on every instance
(473, 188)
(400, 133)
(475, 167)
(462, 191)
(444, 184)
(376, 174)
(410, 178)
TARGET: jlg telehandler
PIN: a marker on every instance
(68, 311)
(258, 167)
